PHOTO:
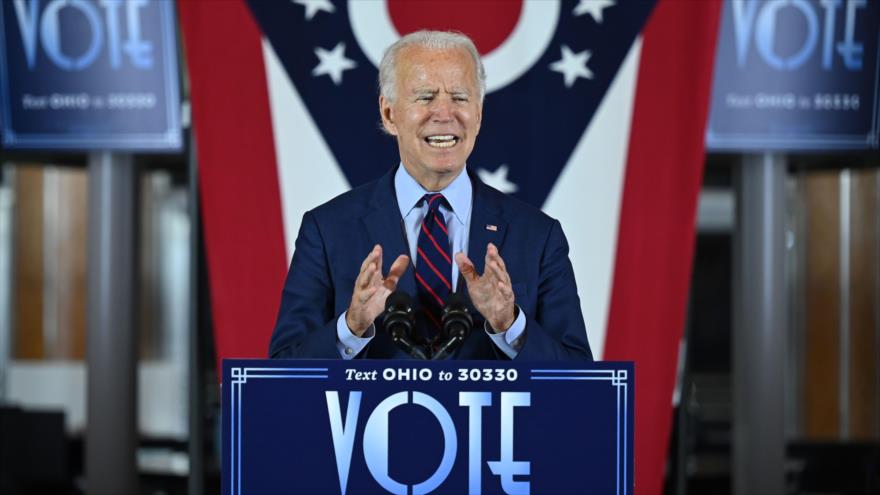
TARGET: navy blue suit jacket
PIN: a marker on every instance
(335, 237)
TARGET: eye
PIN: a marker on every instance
(460, 98)
(424, 98)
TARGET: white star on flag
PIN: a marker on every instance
(498, 180)
(333, 63)
(594, 8)
(573, 65)
(314, 6)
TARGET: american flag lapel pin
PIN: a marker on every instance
(492, 228)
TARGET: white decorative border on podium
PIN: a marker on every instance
(618, 379)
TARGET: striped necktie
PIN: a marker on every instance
(434, 263)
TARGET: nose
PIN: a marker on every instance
(441, 110)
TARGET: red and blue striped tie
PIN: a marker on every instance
(434, 263)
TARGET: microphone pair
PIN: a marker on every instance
(400, 324)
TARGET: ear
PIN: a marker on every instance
(479, 117)
(386, 111)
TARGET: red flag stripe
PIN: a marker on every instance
(656, 231)
(246, 277)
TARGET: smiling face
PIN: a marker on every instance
(436, 114)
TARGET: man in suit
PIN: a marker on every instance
(432, 210)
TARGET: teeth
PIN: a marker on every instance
(442, 141)
(441, 144)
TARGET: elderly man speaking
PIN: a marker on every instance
(430, 228)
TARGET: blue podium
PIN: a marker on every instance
(418, 427)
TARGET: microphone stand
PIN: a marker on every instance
(457, 324)
(400, 321)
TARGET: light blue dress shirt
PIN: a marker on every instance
(459, 193)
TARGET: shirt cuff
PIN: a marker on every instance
(510, 341)
(349, 344)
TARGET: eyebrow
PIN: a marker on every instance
(457, 91)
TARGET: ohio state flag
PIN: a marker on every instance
(595, 112)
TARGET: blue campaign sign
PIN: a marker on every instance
(796, 75)
(359, 427)
(89, 74)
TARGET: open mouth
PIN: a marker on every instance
(442, 141)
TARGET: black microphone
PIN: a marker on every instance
(400, 321)
(457, 324)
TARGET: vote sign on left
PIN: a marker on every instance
(89, 75)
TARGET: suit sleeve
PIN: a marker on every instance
(556, 331)
(306, 326)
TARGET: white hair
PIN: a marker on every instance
(434, 40)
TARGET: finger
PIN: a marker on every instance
(367, 269)
(497, 256)
(488, 259)
(466, 267)
(370, 257)
(363, 280)
(376, 277)
(396, 271)
(399, 266)
(499, 273)
(488, 274)
(378, 249)
(505, 290)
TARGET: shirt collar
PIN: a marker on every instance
(458, 193)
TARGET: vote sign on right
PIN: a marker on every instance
(796, 75)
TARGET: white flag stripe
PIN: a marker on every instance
(587, 196)
(307, 171)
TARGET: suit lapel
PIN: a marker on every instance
(385, 227)
(487, 225)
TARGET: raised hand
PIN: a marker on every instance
(371, 290)
(492, 292)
